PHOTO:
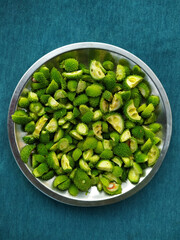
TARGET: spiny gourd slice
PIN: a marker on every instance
(97, 129)
(131, 112)
(120, 72)
(116, 120)
(153, 155)
(132, 81)
(73, 75)
(105, 165)
(97, 70)
(113, 188)
(104, 105)
(117, 102)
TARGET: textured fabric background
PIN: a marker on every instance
(148, 29)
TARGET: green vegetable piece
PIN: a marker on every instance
(87, 154)
(56, 76)
(40, 78)
(105, 127)
(155, 127)
(49, 145)
(52, 126)
(137, 168)
(105, 165)
(75, 135)
(154, 100)
(39, 125)
(41, 149)
(40, 170)
(153, 155)
(117, 161)
(132, 81)
(21, 117)
(142, 107)
(116, 120)
(151, 119)
(104, 106)
(138, 132)
(113, 188)
(29, 139)
(147, 145)
(156, 140)
(59, 113)
(96, 70)
(30, 127)
(82, 129)
(93, 90)
(32, 97)
(38, 158)
(133, 144)
(129, 124)
(60, 93)
(126, 135)
(106, 154)
(120, 72)
(39, 93)
(148, 133)
(48, 175)
(77, 153)
(126, 95)
(72, 85)
(107, 95)
(81, 86)
(73, 75)
(133, 176)
(84, 68)
(23, 102)
(73, 190)
(137, 71)
(115, 138)
(71, 65)
(140, 157)
(94, 101)
(97, 115)
(44, 98)
(52, 160)
(117, 102)
(25, 152)
(94, 159)
(99, 186)
(58, 135)
(117, 171)
(147, 111)
(53, 86)
(81, 180)
(104, 181)
(107, 144)
(108, 65)
(59, 171)
(60, 179)
(144, 89)
(61, 121)
(53, 103)
(45, 71)
(65, 185)
(81, 99)
(66, 163)
(110, 81)
(97, 129)
(35, 107)
(130, 111)
(87, 117)
(83, 109)
(63, 144)
(99, 147)
(69, 116)
(90, 143)
(84, 166)
(122, 150)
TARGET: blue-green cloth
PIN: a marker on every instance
(150, 30)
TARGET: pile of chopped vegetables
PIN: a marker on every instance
(89, 126)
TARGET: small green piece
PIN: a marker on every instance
(147, 111)
(26, 151)
(39, 125)
(73, 75)
(81, 99)
(117, 102)
(73, 190)
(53, 103)
(81, 86)
(40, 170)
(93, 90)
(90, 143)
(82, 129)
(97, 129)
(153, 155)
(60, 179)
(140, 157)
(52, 126)
(75, 134)
(132, 81)
(59, 113)
(141, 108)
(97, 70)
(107, 95)
(71, 65)
(84, 166)
(76, 154)
(126, 135)
(133, 176)
(72, 85)
(138, 132)
(66, 163)
(97, 115)
(154, 100)
(110, 81)
(108, 65)
(129, 124)
(32, 97)
(130, 111)
(21, 117)
(81, 180)
(144, 89)
(87, 117)
(122, 150)
(52, 160)
(133, 144)
(151, 119)
(106, 154)
(147, 145)
(23, 102)
(30, 127)
(29, 139)
(120, 72)
(105, 165)
(155, 127)
(116, 120)
(48, 175)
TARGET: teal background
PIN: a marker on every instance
(148, 29)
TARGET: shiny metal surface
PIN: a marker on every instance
(84, 52)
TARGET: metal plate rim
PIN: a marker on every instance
(11, 128)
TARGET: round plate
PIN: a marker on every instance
(85, 52)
